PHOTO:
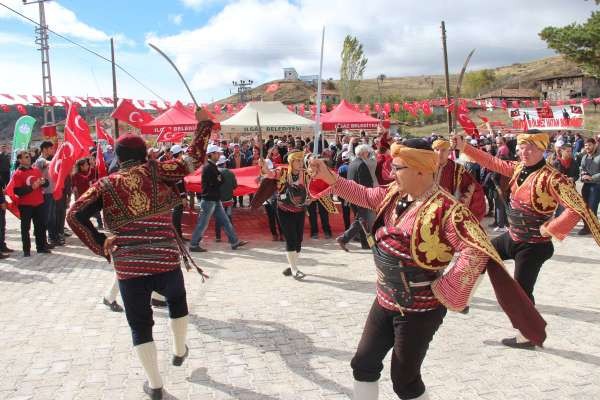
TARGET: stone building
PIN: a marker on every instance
(565, 87)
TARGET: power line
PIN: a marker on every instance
(84, 48)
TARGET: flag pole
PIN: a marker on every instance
(114, 83)
(319, 86)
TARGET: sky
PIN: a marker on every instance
(214, 42)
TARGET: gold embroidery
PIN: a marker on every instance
(138, 203)
(542, 197)
(169, 166)
(431, 243)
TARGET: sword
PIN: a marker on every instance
(176, 70)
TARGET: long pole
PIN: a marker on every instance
(318, 116)
(447, 78)
(114, 82)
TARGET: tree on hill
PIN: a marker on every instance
(353, 66)
(477, 81)
(579, 43)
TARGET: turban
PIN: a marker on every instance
(295, 155)
(440, 144)
(417, 154)
(130, 147)
(540, 140)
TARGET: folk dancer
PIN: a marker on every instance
(145, 250)
(418, 229)
(537, 190)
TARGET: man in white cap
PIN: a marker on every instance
(211, 202)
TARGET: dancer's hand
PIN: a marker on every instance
(109, 246)
(319, 170)
(458, 142)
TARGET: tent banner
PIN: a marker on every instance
(568, 116)
(277, 129)
(21, 137)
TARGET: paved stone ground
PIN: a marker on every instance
(255, 334)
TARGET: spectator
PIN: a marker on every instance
(46, 153)
(3, 248)
(590, 176)
(177, 214)
(4, 165)
(226, 189)
(343, 172)
(28, 183)
(237, 159)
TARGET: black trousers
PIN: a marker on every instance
(529, 258)
(29, 213)
(408, 335)
(2, 228)
(61, 214)
(274, 224)
(292, 226)
(136, 295)
(313, 208)
(177, 216)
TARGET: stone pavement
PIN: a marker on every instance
(255, 334)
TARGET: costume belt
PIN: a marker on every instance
(398, 280)
(528, 225)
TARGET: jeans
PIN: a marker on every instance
(207, 209)
(591, 195)
(228, 211)
(50, 211)
(355, 228)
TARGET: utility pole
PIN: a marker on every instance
(41, 40)
(447, 78)
(114, 82)
(243, 86)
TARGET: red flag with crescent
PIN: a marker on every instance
(130, 114)
(467, 124)
(101, 134)
(169, 136)
(100, 163)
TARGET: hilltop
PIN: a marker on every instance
(517, 75)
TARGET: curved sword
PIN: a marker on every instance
(176, 70)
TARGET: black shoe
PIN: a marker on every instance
(178, 360)
(56, 243)
(465, 310)
(114, 306)
(328, 236)
(239, 244)
(158, 303)
(62, 242)
(49, 246)
(287, 272)
(44, 251)
(67, 233)
(315, 236)
(26, 253)
(155, 394)
(299, 275)
(341, 243)
(197, 249)
(3, 256)
(218, 240)
(512, 342)
(6, 250)
(583, 231)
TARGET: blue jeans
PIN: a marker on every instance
(207, 209)
(50, 212)
(591, 195)
(218, 227)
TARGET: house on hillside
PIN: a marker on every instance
(327, 96)
(509, 95)
(290, 74)
(569, 86)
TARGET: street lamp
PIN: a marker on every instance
(380, 79)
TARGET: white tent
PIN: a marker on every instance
(275, 119)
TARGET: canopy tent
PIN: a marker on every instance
(275, 119)
(346, 117)
(173, 124)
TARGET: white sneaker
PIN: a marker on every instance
(500, 229)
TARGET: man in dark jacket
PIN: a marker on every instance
(228, 185)
(4, 165)
(210, 203)
(359, 172)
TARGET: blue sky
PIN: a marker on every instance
(217, 41)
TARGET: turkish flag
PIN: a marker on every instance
(504, 104)
(130, 114)
(38, 98)
(396, 107)
(13, 204)
(468, 125)
(169, 136)
(77, 132)
(426, 108)
(272, 88)
(101, 134)
(484, 119)
(21, 109)
(141, 103)
(61, 166)
(100, 163)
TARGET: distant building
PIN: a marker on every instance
(569, 86)
(509, 95)
(327, 96)
(290, 74)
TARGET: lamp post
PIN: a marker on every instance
(380, 79)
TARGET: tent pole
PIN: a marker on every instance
(318, 116)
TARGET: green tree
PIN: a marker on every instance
(477, 81)
(579, 43)
(353, 66)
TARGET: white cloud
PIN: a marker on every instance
(175, 18)
(7, 38)
(198, 4)
(255, 39)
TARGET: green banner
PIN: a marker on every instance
(21, 137)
